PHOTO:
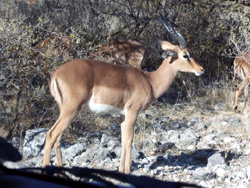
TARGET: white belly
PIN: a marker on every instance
(103, 108)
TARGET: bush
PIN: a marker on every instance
(25, 100)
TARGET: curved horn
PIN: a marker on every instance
(175, 34)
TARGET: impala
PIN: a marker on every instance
(104, 88)
(55, 45)
(121, 51)
(242, 70)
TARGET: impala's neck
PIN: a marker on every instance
(162, 78)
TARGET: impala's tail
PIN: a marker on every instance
(55, 90)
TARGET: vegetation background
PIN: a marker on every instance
(209, 27)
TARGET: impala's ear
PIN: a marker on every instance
(166, 54)
(167, 46)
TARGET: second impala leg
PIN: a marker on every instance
(53, 137)
(235, 79)
(57, 147)
(246, 94)
(123, 151)
(239, 91)
(127, 131)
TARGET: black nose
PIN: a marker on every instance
(202, 70)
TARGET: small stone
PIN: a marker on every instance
(188, 137)
(202, 174)
(220, 172)
(234, 121)
(228, 139)
(74, 150)
(145, 160)
(33, 142)
(248, 126)
(236, 147)
(175, 125)
(193, 121)
(13, 165)
(191, 148)
(201, 126)
(247, 152)
(216, 159)
(172, 136)
(220, 106)
(15, 142)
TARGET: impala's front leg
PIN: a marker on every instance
(123, 152)
(127, 140)
(235, 79)
(237, 94)
(239, 91)
(246, 95)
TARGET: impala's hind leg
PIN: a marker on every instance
(70, 96)
(54, 135)
(57, 147)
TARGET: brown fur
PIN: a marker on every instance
(242, 70)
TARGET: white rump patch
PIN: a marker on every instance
(103, 108)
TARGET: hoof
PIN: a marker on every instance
(236, 110)
(121, 170)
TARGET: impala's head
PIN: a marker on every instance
(180, 56)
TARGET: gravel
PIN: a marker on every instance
(210, 152)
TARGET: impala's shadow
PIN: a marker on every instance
(194, 160)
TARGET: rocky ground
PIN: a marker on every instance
(196, 143)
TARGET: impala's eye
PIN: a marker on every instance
(186, 56)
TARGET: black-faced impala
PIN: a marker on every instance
(104, 88)
(242, 70)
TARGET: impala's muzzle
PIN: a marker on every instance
(198, 73)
